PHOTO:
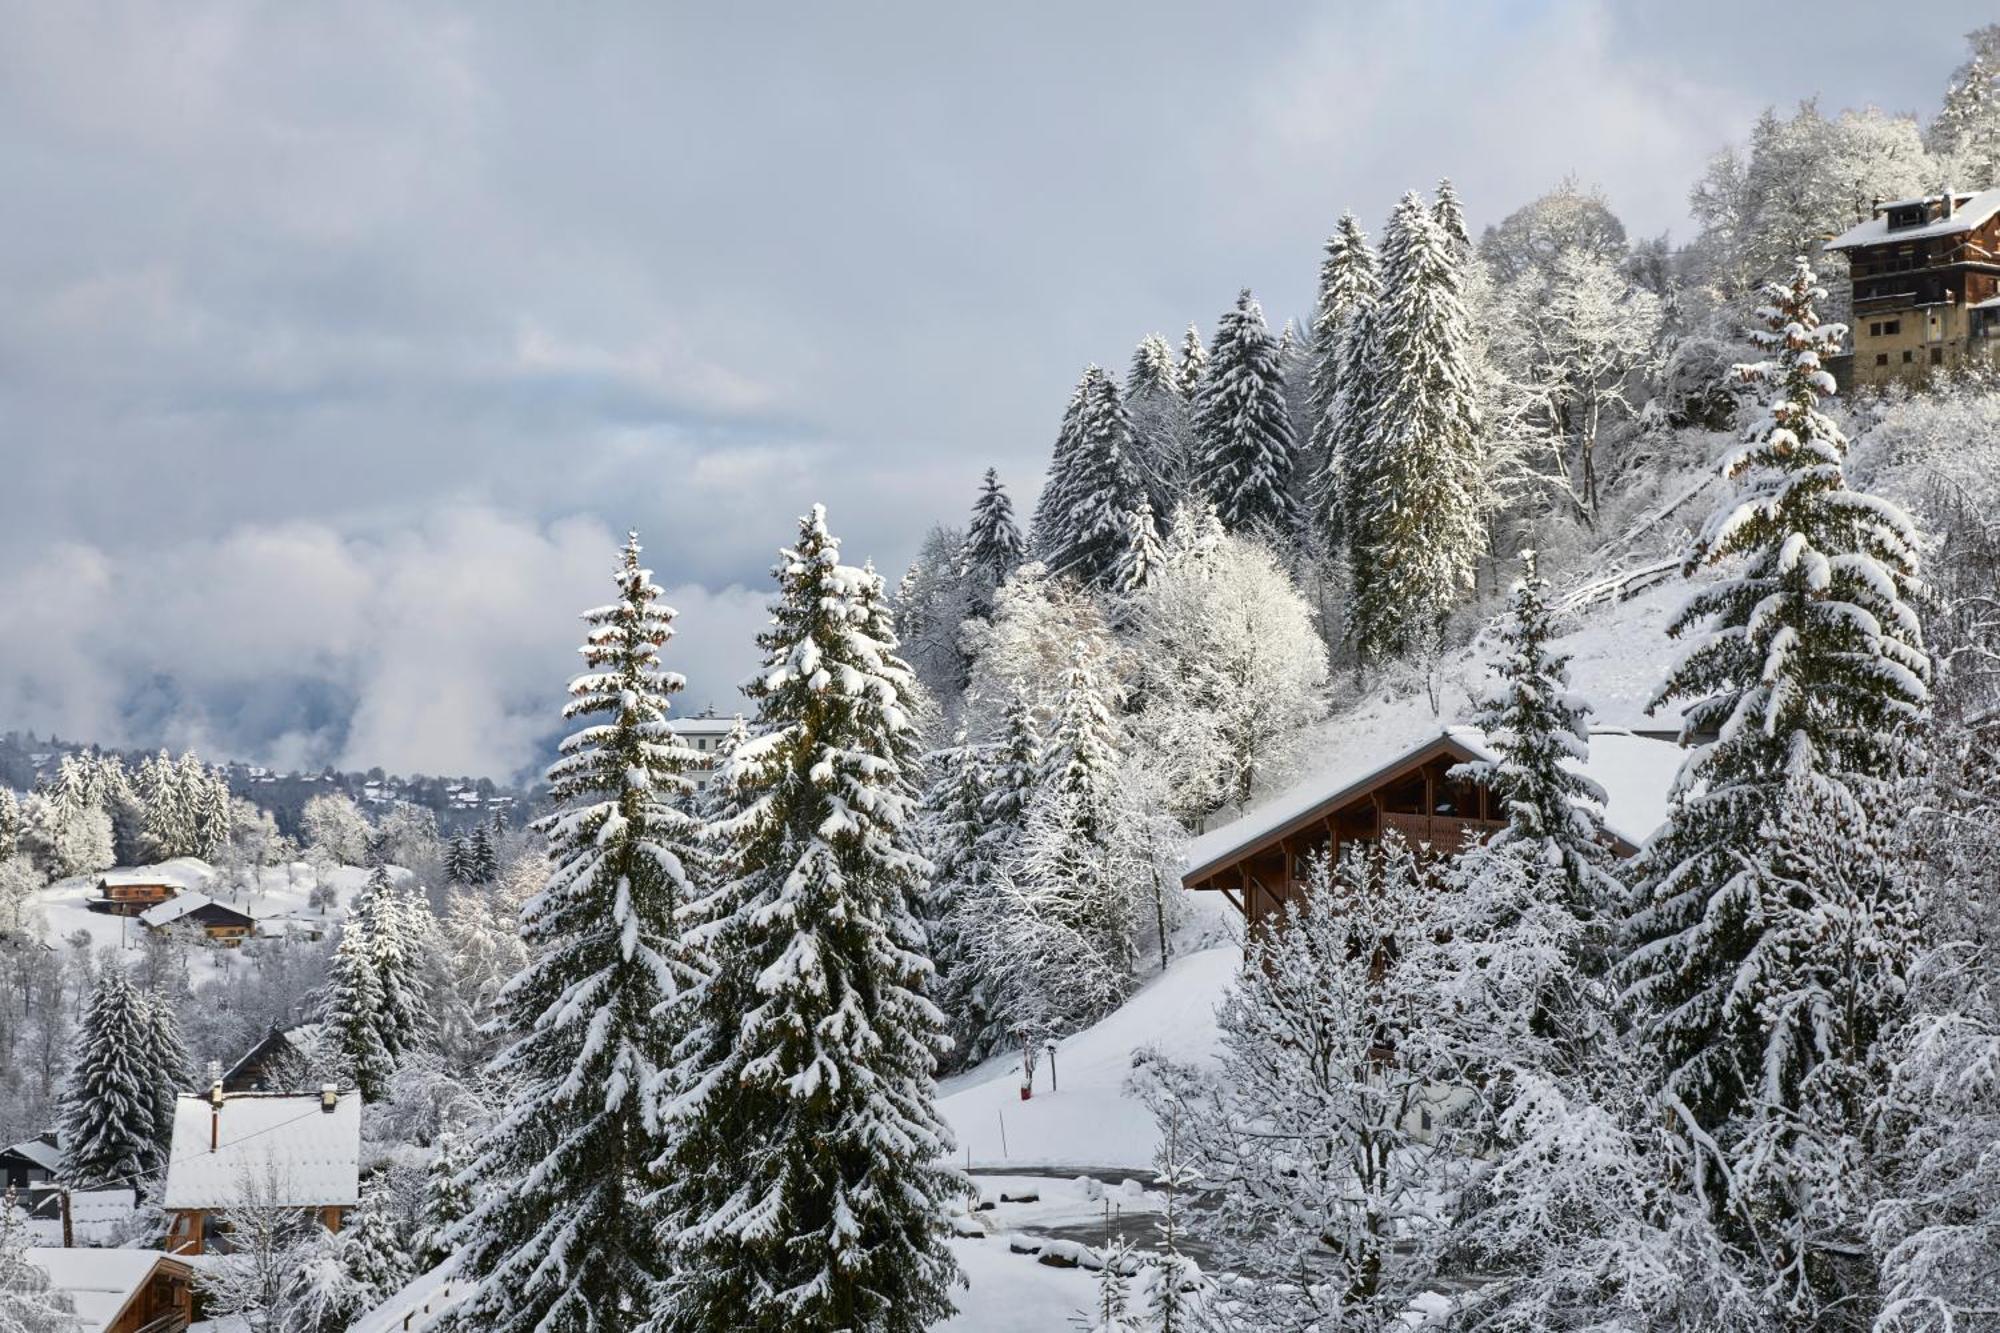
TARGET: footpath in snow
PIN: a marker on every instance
(1089, 1121)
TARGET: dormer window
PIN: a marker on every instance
(1909, 215)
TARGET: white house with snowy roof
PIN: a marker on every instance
(1258, 861)
(260, 1149)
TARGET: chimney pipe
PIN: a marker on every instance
(329, 1097)
(214, 1105)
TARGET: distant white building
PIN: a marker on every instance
(704, 733)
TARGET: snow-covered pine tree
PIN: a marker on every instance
(1449, 214)
(953, 822)
(1346, 287)
(1248, 452)
(458, 859)
(993, 544)
(1966, 130)
(1015, 769)
(1414, 474)
(1192, 368)
(481, 862)
(1111, 1312)
(561, 1236)
(805, 1183)
(1098, 489)
(1173, 1300)
(395, 935)
(107, 1113)
(1052, 529)
(1161, 431)
(1807, 697)
(10, 823)
(376, 1259)
(1143, 557)
(168, 1066)
(447, 1198)
(351, 1012)
(1541, 733)
(28, 1303)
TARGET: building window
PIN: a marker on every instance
(1881, 358)
(1892, 327)
(1875, 329)
(1937, 356)
(1908, 356)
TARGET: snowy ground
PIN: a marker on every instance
(1089, 1121)
(282, 894)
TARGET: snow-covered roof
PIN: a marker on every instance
(420, 1304)
(1972, 212)
(140, 879)
(39, 1151)
(701, 726)
(99, 1283)
(273, 1146)
(1637, 773)
(186, 904)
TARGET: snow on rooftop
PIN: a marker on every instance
(173, 909)
(275, 1146)
(1972, 212)
(45, 1155)
(1637, 773)
(422, 1302)
(99, 1283)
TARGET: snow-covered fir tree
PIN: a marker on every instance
(107, 1116)
(1765, 969)
(10, 823)
(805, 1184)
(352, 1012)
(1248, 451)
(1081, 526)
(1413, 472)
(376, 1260)
(993, 544)
(28, 1303)
(562, 1235)
(1142, 558)
(447, 1198)
(1172, 1302)
(953, 824)
(1162, 433)
(1346, 288)
(1449, 214)
(168, 1066)
(458, 859)
(482, 863)
(1965, 134)
(1540, 731)
(1192, 367)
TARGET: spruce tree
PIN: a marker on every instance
(10, 823)
(447, 1198)
(1247, 448)
(481, 863)
(1772, 918)
(1097, 487)
(993, 544)
(805, 1185)
(954, 826)
(1415, 473)
(108, 1113)
(458, 859)
(352, 1012)
(562, 1236)
(1347, 288)
(376, 1260)
(1143, 557)
(1449, 214)
(1160, 426)
(1541, 733)
(1051, 532)
(1193, 366)
(169, 1068)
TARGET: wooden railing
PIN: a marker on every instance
(1444, 833)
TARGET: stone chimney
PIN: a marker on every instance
(329, 1097)
(214, 1105)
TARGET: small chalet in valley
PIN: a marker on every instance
(130, 892)
(30, 1162)
(1258, 861)
(1926, 275)
(120, 1291)
(225, 925)
(260, 1149)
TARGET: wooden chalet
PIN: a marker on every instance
(1259, 861)
(221, 923)
(120, 1290)
(267, 1149)
(30, 1162)
(264, 1067)
(131, 892)
(1926, 282)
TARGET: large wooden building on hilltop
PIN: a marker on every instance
(1926, 275)
(1259, 861)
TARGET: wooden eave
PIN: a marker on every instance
(1401, 767)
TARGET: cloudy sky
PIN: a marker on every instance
(338, 343)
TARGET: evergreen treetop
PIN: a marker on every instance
(1244, 426)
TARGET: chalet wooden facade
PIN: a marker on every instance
(269, 1149)
(221, 923)
(121, 1290)
(1259, 862)
(30, 1162)
(1926, 286)
(130, 892)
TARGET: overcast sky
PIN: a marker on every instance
(339, 342)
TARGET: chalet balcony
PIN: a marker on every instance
(1443, 833)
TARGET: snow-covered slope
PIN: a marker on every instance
(1089, 1121)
